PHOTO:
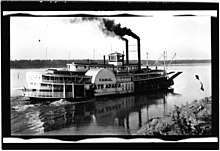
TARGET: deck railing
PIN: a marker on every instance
(67, 81)
(146, 77)
(38, 94)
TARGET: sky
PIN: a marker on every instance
(71, 38)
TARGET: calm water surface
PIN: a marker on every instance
(107, 115)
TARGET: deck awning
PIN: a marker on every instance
(101, 76)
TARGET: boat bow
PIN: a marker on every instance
(175, 75)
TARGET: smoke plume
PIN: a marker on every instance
(107, 26)
(110, 28)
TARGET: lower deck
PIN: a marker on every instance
(67, 91)
(88, 91)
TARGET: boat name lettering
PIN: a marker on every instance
(105, 79)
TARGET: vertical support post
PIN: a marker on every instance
(52, 89)
(73, 90)
(64, 90)
(84, 90)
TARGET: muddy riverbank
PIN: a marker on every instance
(189, 119)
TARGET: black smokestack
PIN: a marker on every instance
(139, 53)
(104, 59)
(127, 56)
(110, 28)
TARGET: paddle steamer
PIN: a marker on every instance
(86, 80)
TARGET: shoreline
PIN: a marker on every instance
(29, 64)
(189, 119)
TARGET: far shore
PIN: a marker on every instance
(24, 64)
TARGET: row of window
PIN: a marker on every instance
(68, 87)
(66, 79)
(127, 88)
(124, 78)
(102, 86)
(116, 85)
(94, 67)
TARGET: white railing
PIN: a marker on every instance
(48, 94)
(83, 80)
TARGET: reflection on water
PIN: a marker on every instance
(120, 115)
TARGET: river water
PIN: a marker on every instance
(122, 115)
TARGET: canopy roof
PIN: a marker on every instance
(100, 76)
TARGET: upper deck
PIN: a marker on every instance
(57, 77)
(84, 67)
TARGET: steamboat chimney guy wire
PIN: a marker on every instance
(157, 60)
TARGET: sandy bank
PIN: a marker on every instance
(189, 119)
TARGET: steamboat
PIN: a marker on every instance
(87, 80)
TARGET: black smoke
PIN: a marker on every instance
(110, 28)
(107, 26)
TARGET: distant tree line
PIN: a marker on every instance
(62, 63)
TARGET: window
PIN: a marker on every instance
(113, 58)
(76, 66)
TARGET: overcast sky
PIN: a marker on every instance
(61, 37)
